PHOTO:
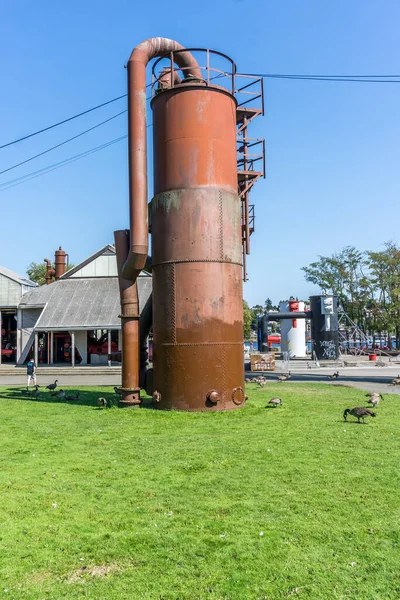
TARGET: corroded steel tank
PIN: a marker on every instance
(60, 262)
(196, 250)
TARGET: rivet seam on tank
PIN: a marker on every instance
(241, 395)
(213, 396)
(171, 270)
(221, 226)
(156, 396)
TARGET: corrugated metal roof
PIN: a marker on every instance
(82, 303)
(16, 277)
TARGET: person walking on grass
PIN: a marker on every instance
(31, 372)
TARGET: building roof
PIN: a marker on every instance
(16, 277)
(71, 304)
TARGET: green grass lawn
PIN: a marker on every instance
(257, 503)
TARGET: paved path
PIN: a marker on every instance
(366, 378)
(80, 379)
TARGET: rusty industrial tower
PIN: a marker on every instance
(200, 222)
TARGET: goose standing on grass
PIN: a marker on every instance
(374, 398)
(29, 392)
(60, 394)
(275, 402)
(359, 412)
(52, 386)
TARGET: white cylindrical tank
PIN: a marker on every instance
(293, 331)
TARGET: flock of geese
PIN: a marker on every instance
(359, 412)
(62, 395)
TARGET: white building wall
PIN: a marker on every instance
(81, 345)
(10, 292)
(102, 266)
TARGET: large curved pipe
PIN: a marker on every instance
(137, 63)
(167, 79)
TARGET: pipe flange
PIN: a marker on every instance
(213, 396)
(238, 395)
(156, 396)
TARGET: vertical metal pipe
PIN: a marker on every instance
(73, 348)
(129, 325)
(36, 349)
(51, 347)
(109, 346)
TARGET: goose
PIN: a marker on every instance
(374, 400)
(76, 397)
(118, 391)
(396, 380)
(52, 386)
(359, 412)
(102, 402)
(334, 376)
(282, 378)
(374, 394)
(29, 392)
(275, 402)
(60, 394)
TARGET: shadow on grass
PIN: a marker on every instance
(86, 398)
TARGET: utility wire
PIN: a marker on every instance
(18, 180)
(85, 112)
(13, 182)
(62, 143)
(351, 78)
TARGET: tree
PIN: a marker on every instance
(269, 306)
(385, 271)
(256, 312)
(37, 272)
(247, 319)
(343, 274)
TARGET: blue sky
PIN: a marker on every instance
(332, 148)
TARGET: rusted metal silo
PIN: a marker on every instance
(196, 224)
(196, 250)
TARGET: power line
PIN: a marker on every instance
(62, 143)
(351, 78)
(13, 182)
(85, 112)
(18, 180)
